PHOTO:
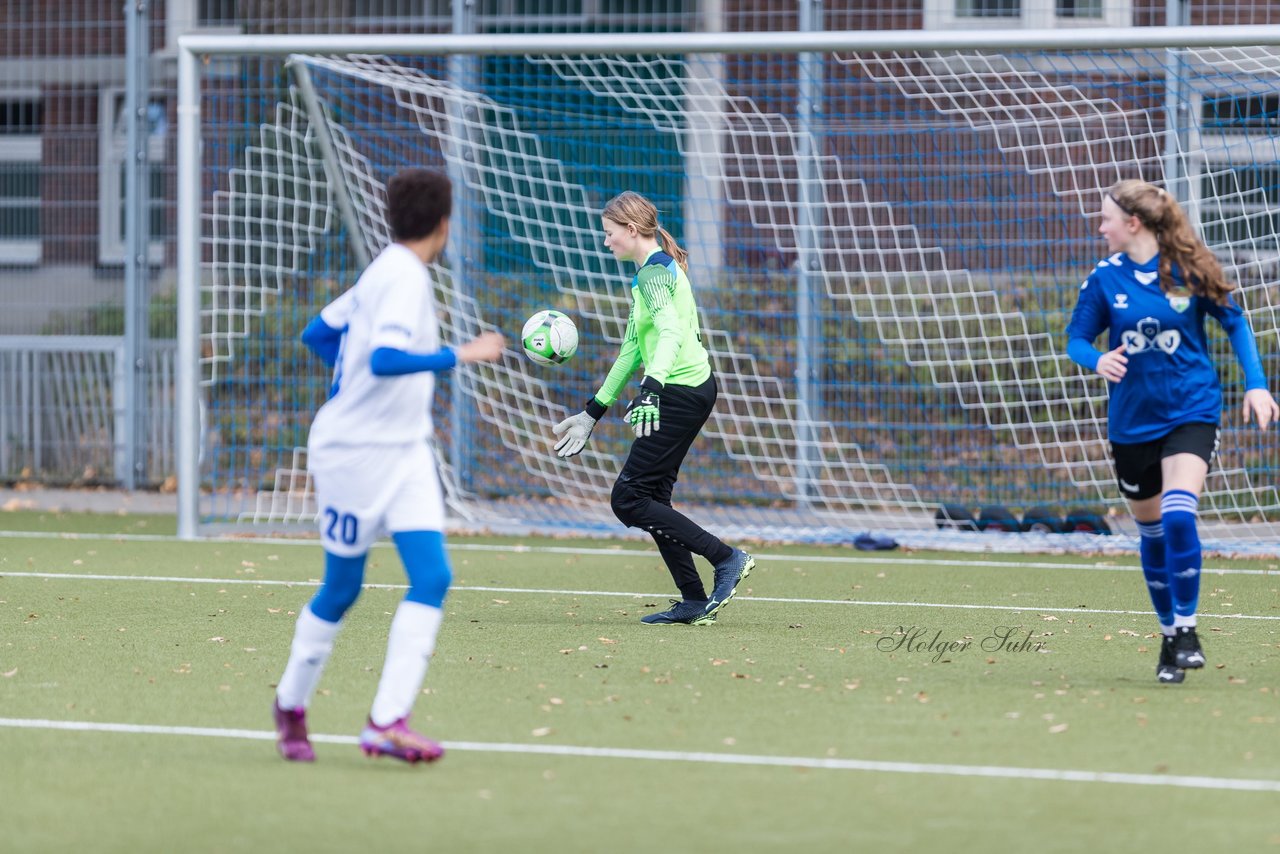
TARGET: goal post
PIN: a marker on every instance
(899, 220)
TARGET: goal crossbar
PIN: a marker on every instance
(1101, 38)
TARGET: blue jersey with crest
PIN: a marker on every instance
(1170, 379)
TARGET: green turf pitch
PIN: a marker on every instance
(827, 656)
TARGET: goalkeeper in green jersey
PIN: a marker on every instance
(674, 401)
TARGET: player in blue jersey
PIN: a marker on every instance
(665, 336)
(374, 472)
(1152, 294)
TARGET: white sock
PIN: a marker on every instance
(1168, 631)
(409, 648)
(312, 643)
(1179, 621)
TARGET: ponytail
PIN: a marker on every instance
(673, 249)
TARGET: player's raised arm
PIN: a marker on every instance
(390, 362)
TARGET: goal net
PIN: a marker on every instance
(885, 246)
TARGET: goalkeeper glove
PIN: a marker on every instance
(575, 430)
(642, 413)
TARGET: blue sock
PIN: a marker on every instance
(1182, 548)
(1151, 550)
(342, 579)
(427, 565)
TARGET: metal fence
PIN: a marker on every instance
(61, 411)
(87, 100)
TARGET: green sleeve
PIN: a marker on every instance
(657, 287)
(623, 367)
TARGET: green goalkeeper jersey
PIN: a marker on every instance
(663, 332)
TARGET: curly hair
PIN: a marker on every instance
(417, 200)
(1160, 213)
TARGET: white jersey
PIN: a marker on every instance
(391, 305)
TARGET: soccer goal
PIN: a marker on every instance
(887, 234)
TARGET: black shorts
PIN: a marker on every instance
(654, 462)
(1138, 465)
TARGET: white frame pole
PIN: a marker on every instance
(187, 367)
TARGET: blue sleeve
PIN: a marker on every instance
(390, 362)
(1088, 320)
(323, 340)
(1083, 353)
(1236, 325)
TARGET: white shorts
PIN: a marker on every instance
(364, 492)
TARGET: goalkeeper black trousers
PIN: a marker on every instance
(642, 494)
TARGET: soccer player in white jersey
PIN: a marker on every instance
(374, 471)
(1153, 293)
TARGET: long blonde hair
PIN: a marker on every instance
(629, 208)
(1161, 214)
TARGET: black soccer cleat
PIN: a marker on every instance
(1187, 652)
(684, 611)
(728, 573)
(1167, 670)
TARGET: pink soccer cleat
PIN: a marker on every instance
(398, 741)
(291, 734)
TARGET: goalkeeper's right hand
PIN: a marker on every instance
(574, 432)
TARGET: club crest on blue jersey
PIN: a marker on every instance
(1179, 303)
(1149, 335)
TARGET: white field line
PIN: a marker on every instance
(636, 553)
(618, 594)
(825, 763)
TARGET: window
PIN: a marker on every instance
(21, 126)
(401, 12)
(200, 16)
(113, 145)
(1078, 8)
(988, 8)
(1240, 206)
(512, 15)
(216, 13)
(1240, 113)
(1032, 14)
(1238, 203)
